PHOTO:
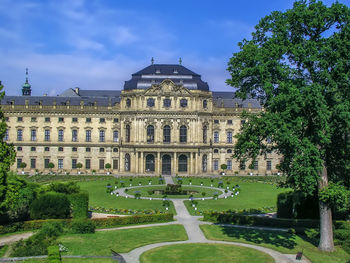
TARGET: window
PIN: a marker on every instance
(102, 120)
(74, 149)
(88, 149)
(229, 137)
(60, 149)
(19, 135)
(205, 133)
(229, 151)
(47, 135)
(216, 165)
(102, 150)
(150, 163)
(60, 135)
(60, 164)
(242, 165)
(150, 134)
(183, 134)
(167, 103)
(74, 119)
(229, 165)
(183, 103)
(216, 150)
(74, 163)
(19, 119)
(166, 134)
(127, 133)
(87, 163)
(216, 136)
(115, 164)
(6, 137)
(33, 119)
(242, 122)
(115, 136)
(47, 149)
(229, 122)
(128, 103)
(182, 163)
(88, 135)
(216, 121)
(47, 119)
(88, 120)
(102, 135)
(19, 161)
(150, 102)
(102, 164)
(205, 104)
(19, 149)
(60, 119)
(256, 165)
(204, 163)
(33, 149)
(74, 135)
(127, 162)
(7, 119)
(33, 135)
(115, 120)
(32, 163)
(268, 165)
(115, 150)
(46, 163)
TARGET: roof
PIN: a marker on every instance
(165, 69)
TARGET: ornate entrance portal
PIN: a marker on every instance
(166, 164)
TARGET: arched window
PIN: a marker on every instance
(204, 163)
(229, 151)
(150, 134)
(182, 163)
(183, 133)
(205, 104)
(128, 103)
(205, 132)
(150, 163)
(127, 133)
(127, 162)
(166, 134)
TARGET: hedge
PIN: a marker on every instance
(99, 222)
(80, 205)
(53, 254)
(237, 219)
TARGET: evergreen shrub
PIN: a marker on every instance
(50, 205)
(82, 226)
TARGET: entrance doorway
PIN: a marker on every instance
(166, 164)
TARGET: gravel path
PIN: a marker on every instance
(14, 238)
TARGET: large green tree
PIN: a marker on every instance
(297, 63)
(7, 156)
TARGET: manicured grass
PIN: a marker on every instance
(73, 260)
(204, 253)
(101, 243)
(99, 198)
(281, 241)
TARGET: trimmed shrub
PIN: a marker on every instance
(53, 254)
(82, 226)
(79, 204)
(64, 188)
(51, 229)
(50, 205)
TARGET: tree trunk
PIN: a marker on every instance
(326, 226)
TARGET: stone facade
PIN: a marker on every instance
(164, 128)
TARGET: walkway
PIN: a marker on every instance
(14, 238)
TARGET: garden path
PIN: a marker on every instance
(14, 238)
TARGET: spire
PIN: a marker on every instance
(180, 61)
(152, 60)
(26, 75)
(26, 88)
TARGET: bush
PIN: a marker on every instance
(83, 226)
(51, 229)
(50, 205)
(64, 188)
(79, 204)
(53, 254)
(342, 235)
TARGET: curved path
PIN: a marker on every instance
(195, 234)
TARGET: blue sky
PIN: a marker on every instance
(95, 44)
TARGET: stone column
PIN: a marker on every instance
(158, 163)
(191, 164)
(197, 164)
(136, 154)
(141, 164)
(210, 162)
(175, 163)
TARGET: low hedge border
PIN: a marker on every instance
(99, 222)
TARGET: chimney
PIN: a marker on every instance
(77, 89)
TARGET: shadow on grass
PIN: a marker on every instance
(278, 239)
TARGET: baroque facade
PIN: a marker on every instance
(164, 121)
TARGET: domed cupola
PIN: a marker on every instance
(26, 88)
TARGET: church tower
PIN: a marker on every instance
(26, 88)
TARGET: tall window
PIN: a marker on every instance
(74, 163)
(150, 102)
(33, 163)
(150, 163)
(229, 137)
(183, 133)
(204, 163)
(102, 164)
(127, 162)
(115, 164)
(74, 135)
(47, 135)
(216, 136)
(115, 136)
(128, 103)
(182, 163)
(102, 135)
(166, 134)
(19, 161)
(242, 165)
(88, 135)
(88, 163)
(205, 133)
(127, 133)
(256, 165)
(229, 164)
(60, 164)
(183, 103)
(19, 135)
(268, 165)
(33, 135)
(150, 134)
(46, 163)
(60, 135)
(216, 165)
(205, 104)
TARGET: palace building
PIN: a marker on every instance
(164, 121)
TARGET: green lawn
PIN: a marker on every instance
(121, 241)
(204, 253)
(73, 260)
(280, 241)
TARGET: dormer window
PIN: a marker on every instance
(128, 103)
(167, 103)
(205, 104)
(183, 103)
(175, 71)
(157, 71)
(150, 102)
